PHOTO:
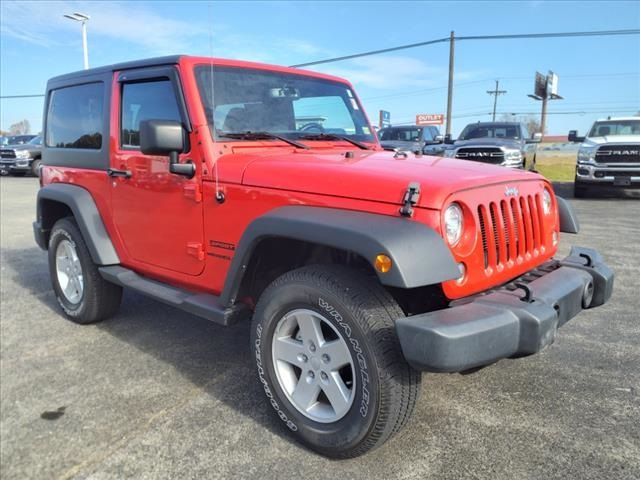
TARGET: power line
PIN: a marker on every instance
(22, 96)
(602, 33)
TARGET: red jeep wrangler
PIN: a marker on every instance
(239, 191)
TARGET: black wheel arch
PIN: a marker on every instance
(419, 255)
(59, 200)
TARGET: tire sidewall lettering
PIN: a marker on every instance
(265, 384)
(355, 345)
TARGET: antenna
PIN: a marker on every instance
(212, 106)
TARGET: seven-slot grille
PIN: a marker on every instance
(618, 154)
(7, 154)
(481, 154)
(510, 229)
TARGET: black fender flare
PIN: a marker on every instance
(568, 218)
(87, 216)
(419, 255)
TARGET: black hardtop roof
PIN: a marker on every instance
(147, 62)
(482, 124)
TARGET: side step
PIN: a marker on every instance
(201, 304)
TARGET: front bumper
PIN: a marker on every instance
(15, 167)
(623, 176)
(516, 320)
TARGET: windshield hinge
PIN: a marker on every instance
(411, 197)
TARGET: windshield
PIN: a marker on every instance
(292, 106)
(35, 141)
(18, 139)
(490, 131)
(615, 127)
(410, 134)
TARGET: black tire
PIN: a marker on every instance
(386, 387)
(580, 191)
(35, 167)
(100, 299)
(532, 167)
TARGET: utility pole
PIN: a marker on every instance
(495, 94)
(450, 90)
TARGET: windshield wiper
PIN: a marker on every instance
(261, 136)
(333, 136)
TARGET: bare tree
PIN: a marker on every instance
(21, 128)
(533, 125)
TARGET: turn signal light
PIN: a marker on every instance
(382, 263)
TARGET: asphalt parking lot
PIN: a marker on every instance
(158, 393)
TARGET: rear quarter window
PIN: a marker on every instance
(75, 117)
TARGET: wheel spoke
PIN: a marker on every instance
(306, 392)
(68, 250)
(310, 329)
(62, 262)
(70, 288)
(337, 393)
(288, 350)
(338, 353)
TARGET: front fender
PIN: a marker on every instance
(419, 255)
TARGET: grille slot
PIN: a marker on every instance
(511, 229)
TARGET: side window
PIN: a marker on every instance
(154, 100)
(74, 117)
(428, 134)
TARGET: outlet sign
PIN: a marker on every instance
(430, 119)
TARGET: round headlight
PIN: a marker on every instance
(546, 202)
(453, 223)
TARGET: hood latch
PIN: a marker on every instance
(411, 197)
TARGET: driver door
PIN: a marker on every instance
(158, 214)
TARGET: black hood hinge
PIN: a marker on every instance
(411, 197)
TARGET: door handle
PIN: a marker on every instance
(113, 172)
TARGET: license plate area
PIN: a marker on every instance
(622, 181)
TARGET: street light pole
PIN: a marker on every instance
(82, 18)
(452, 40)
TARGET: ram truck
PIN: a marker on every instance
(609, 156)
(211, 185)
(496, 143)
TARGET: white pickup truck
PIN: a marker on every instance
(609, 155)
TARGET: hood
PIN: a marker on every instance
(489, 142)
(24, 146)
(402, 144)
(369, 175)
(612, 139)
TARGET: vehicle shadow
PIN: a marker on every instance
(565, 190)
(216, 359)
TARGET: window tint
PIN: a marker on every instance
(145, 101)
(74, 118)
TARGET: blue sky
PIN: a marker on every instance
(597, 75)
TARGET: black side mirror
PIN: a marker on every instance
(166, 137)
(447, 139)
(574, 138)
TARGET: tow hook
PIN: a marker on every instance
(411, 197)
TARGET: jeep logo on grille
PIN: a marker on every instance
(511, 191)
